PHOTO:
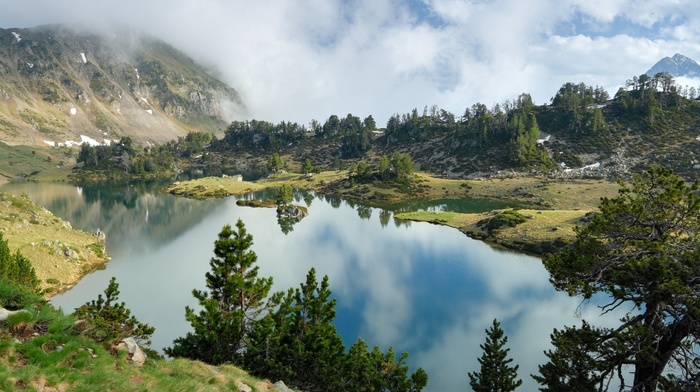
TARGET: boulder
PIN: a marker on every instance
(4, 313)
(281, 387)
(70, 253)
(243, 387)
(136, 355)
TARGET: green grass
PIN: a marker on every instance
(33, 163)
(62, 359)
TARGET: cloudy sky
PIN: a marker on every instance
(307, 59)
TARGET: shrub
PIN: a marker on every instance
(109, 320)
(14, 296)
(508, 218)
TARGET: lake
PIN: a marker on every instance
(425, 289)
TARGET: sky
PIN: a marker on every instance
(298, 60)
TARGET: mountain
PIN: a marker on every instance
(678, 65)
(60, 83)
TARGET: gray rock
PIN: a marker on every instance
(70, 253)
(243, 387)
(136, 355)
(4, 313)
(281, 387)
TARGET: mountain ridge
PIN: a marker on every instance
(678, 65)
(59, 83)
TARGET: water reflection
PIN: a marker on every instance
(421, 288)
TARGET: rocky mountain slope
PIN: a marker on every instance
(678, 65)
(60, 83)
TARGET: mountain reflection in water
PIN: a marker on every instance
(421, 288)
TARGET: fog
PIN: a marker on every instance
(308, 59)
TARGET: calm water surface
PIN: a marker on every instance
(421, 288)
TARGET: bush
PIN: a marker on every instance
(14, 296)
(508, 218)
(110, 320)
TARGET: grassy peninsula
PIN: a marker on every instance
(556, 205)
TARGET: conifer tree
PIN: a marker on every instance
(642, 250)
(308, 350)
(496, 374)
(111, 320)
(299, 344)
(233, 302)
(16, 268)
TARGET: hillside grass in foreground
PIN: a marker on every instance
(60, 359)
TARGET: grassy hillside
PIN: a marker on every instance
(60, 255)
(42, 349)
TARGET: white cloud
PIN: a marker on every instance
(313, 58)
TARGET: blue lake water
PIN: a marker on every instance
(421, 288)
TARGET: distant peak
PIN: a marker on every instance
(678, 65)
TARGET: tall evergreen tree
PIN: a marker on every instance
(234, 300)
(642, 251)
(299, 344)
(496, 374)
(305, 348)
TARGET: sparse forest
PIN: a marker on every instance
(652, 121)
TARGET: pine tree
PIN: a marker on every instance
(642, 250)
(307, 167)
(310, 347)
(111, 320)
(496, 374)
(284, 195)
(234, 300)
(16, 268)
(299, 344)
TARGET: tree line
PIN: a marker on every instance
(582, 114)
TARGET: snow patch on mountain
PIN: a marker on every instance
(83, 139)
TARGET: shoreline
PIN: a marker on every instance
(556, 206)
(61, 255)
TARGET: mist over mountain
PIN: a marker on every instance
(678, 66)
(60, 83)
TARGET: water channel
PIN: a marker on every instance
(421, 288)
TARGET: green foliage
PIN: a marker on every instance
(284, 195)
(641, 249)
(496, 373)
(579, 104)
(16, 319)
(306, 349)
(232, 304)
(366, 370)
(578, 361)
(110, 320)
(507, 218)
(261, 136)
(299, 344)
(16, 268)
(307, 167)
(14, 296)
(402, 164)
(274, 163)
